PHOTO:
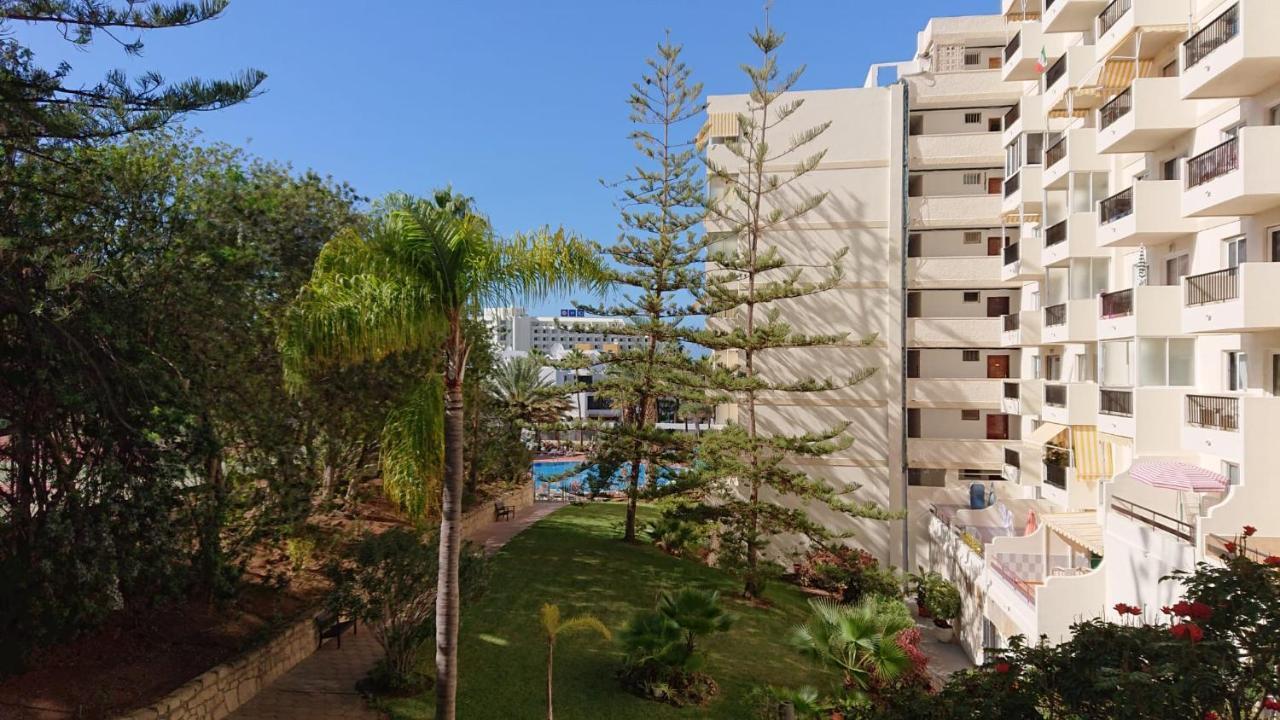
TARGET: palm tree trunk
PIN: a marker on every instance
(551, 654)
(447, 597)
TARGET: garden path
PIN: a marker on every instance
(322, 687)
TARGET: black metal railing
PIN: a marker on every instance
(1013, 116)
(1056, 234)
(1011, 254)
(1012, 183)
(1055, 315)
(1116, 108)
(1115, 402)
(1219, 286)
(598, 403)
(1055, 396)
(1056, 152)
(1055, 72)
(1222, 30)
(1012, 391)
(1117, 304)
(1213, 412)
(1213, 164)
(1012, 322)
(1014, 44)
(1115, 207)
(1152, 518)
(1112, 14)
(1055, 475)
(1012, 458)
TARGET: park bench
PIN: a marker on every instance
(503, 511)
(330, 624)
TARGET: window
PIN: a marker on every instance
(973, 297)
(973, 237)
(1274, 115)
(969, 415)
(1231, 132)
(1237, 252)
(972, 118)
(1170, 70)
(1053, 367)
(1171, 169)
(915, 186)
(1231, 471)
(974, 178)
(970, 356)
(916, 125)
(1237, 371)
(1176, 268)
(1166, 362)
(972, 58)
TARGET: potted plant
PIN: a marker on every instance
(936, 598)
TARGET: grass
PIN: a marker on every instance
(574, 559)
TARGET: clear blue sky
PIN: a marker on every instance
(519, 103)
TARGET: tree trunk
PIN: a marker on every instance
(551, 654)
(448, 596)
(633, 490)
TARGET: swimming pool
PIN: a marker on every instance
(547, 477)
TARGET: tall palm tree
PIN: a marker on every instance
(407, 281)
(526, 397)
(580, 363)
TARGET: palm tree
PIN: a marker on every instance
(407, 281)
(554, 626)
(526, 397)
(578, 361)
(859, 641)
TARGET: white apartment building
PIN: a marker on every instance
(514, 329)
(1119, 362)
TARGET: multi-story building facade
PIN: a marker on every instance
(1090, 246)
(515, 330)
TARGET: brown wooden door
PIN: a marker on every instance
(913, 422)
(997, 306)
(997, 366)
(995, 246)
(995, 185)
(993, 63)
(997, 427)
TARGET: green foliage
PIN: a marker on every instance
(662, 661)
(849, 573)
(937, 594)
(678, 535)
(389, 585)
(858, 641)
(554, 625)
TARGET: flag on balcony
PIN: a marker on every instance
(1042, 63)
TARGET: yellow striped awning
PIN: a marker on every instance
(1016, 17)
(1058, 114)
(722, 125)
(1093, 458)
(1017, 218)
(1080, 529)
(1046, 432)
(1111, 76)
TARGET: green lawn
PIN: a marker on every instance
(574, 558)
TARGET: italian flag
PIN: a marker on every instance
(1042, 63)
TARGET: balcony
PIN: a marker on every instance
(1021, 261)
(1240, 299)
(1071, 322)
(1143, 311)
(1070, 71)
(1022, 53)
(1070, 403)
(1218, 425)
(1065, 16)
(1148, 115)
(953, 211)
(1075, 237)
(955, 150)
(1074, 152)
(953, 453)
(962, 394)
(953, 332)
(1235, 53)
(1151, 416)
(1146, 213)
(1021, 329)
(1157, 19)
(1026, 116)
(955, 272)
(1022, 190)
(1239, 177)
(1012, 468)
(1035, 583)
(1011, 399)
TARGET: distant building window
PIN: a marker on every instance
(973, 118)
(969, 415)
(972, 297)
(970, 356)
(973, 178)
(972, 58)
(973, 237)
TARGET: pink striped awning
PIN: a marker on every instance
(1177, 475)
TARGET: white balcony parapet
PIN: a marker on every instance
(1026, 116)
(1065, 16)
(1074, 237)
(951, 211)
(1160, 21)
(1075, 152)
(956, 272)
(953, 332)
(1239, 299)
(1147, 115)
(1023, 190)
(1143, 311)
(1070, 322)
(1070, 403)
(1234, 53)
(955, 453)
(1145, 213)
(1238, 177)
(1022, 52)
(955, 150)
(962, 393)
(1021, 329)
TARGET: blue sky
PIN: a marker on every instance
(519, 103)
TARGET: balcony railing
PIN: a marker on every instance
(1055, 315)
(1056, 152)
(1056, 475)
(1011, 254)
(1055, 396)
(1013, 46)
(1012, 183)
(1021, 586)
(1117, 206)
(1012, 322)
(1117, 304)
(1055, 71)
(1116, 402)
(1219, 286)
(1213, 412)
(1012, 391)
(1152, 518)
(1116, 108)
(598, 403)
(1213, 164)
(1012, 458)
(1112, 14)
(1214, 35)
(1013, 116)
(1055, 234)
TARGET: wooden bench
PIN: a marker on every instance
(330, 624)
(503, 511)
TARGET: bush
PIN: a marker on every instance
(662, 662)
(850, 573)
(678, 536)
(389, 585)
(936, 596)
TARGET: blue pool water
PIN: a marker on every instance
(547, 477)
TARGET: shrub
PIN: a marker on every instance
(860, 642)
(389, 585)
(678, 536)
(662, 661)
(936, 596)
(850, 573)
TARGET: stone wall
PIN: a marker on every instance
(521, 497)
(218, 692)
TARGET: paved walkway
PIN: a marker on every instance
(322, 687)
(945, 658)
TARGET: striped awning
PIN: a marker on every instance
(1111, 76)
(1017, 218)
(1059, 114)
(1093, 458)
(1080, 529)
(1173, 474)
(723, 125)
(1046, 433)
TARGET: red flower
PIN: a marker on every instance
(1179, 630)
(1211, 715)
(1166, 610)
(1249, 530)
(1182, 607)
(1199, 611)
(1003, 667)
(1189, 630)
(1273, 560)
(1271, 704)
(1231, 547)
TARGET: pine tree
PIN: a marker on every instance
(657, 258)
(752, 490)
